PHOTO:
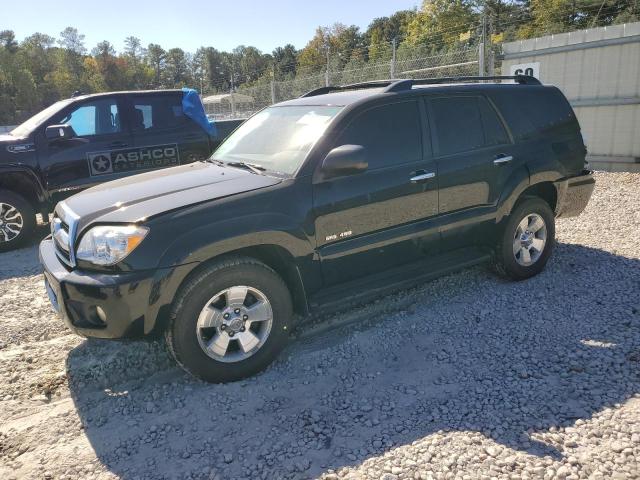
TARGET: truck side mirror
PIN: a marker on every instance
(59, 132)
(344, 160)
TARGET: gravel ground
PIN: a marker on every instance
(468, 376)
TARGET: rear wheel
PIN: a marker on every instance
(527, 240)
(17, 220)
(230, 321)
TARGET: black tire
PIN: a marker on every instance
(28, 215)
(181, 333)
(506, 263)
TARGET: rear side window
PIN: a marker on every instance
(465, 123)
(530, 111)
(390, 134)
(156, 112)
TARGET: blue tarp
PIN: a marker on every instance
(193, 108)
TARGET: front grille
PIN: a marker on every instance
(61, 239)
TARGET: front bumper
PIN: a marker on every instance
(574, 194)
(104, 305)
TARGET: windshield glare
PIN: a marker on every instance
(277, 138)
(30, 125)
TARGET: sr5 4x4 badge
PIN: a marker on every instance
(133, 159)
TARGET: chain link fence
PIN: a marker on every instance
(246, 100)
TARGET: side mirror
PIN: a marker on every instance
(59, 132)
(344, 160)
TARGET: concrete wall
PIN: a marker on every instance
(599, 71)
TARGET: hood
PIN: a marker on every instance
(6, 138)
(137, 198)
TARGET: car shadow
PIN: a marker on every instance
(467, 352)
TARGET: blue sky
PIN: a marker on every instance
(222, 24)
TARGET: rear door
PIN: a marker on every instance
(475, 157)
(162, 134)
(371, 222)
(76, 163)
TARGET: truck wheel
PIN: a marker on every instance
(17, 220)
(527, 240)
(230, 321)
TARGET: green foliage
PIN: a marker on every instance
(41, 69)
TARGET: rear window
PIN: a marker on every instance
(156, 112)
(465, 123)
(530, 111)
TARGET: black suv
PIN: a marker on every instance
(90, 139)
(317, 203)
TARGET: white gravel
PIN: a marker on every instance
(468, 376)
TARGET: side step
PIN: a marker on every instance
(359, 291)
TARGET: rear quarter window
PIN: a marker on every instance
(530, 112)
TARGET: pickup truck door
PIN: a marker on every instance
(376, 220)
(475, 157)
(73, 164)
(158, 122)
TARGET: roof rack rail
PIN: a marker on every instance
(407, 84)
(352, 86)
(401, 85)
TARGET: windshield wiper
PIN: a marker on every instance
(255, 168)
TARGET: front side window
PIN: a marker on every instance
(98, 117)
(157, 112)
(390, 134)
(277, 138)
(465, 123)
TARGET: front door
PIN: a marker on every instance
(376, 220)
(85, 160)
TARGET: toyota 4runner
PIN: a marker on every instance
(314, 204)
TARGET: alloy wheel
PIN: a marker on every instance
(529, 239)
(234, 324)
(11, 222)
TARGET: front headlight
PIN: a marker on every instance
(108, 245)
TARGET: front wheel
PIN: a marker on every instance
(527, 240)
(17, 220)
(230, 321)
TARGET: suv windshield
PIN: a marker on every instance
(278, 138)
(24, 129)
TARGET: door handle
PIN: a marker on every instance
(118, 144)
(421, 176)
(500, 159)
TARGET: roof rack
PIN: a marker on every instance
(407, 84)
(352, 86)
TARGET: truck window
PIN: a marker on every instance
(465, 123)
(97, 117)
(390, 134)
(155, 112)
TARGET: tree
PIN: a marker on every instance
(155, 58)
(284, 61)
(438, 24)
(73, 41)
(8, 41)
(133, 48)
(382, 31)
(176, 69)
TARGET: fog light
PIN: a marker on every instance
(101, 314)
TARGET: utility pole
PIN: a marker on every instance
(273, 85)
(233, 102)
(481, 46)
(326, 73)
(393, 58)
